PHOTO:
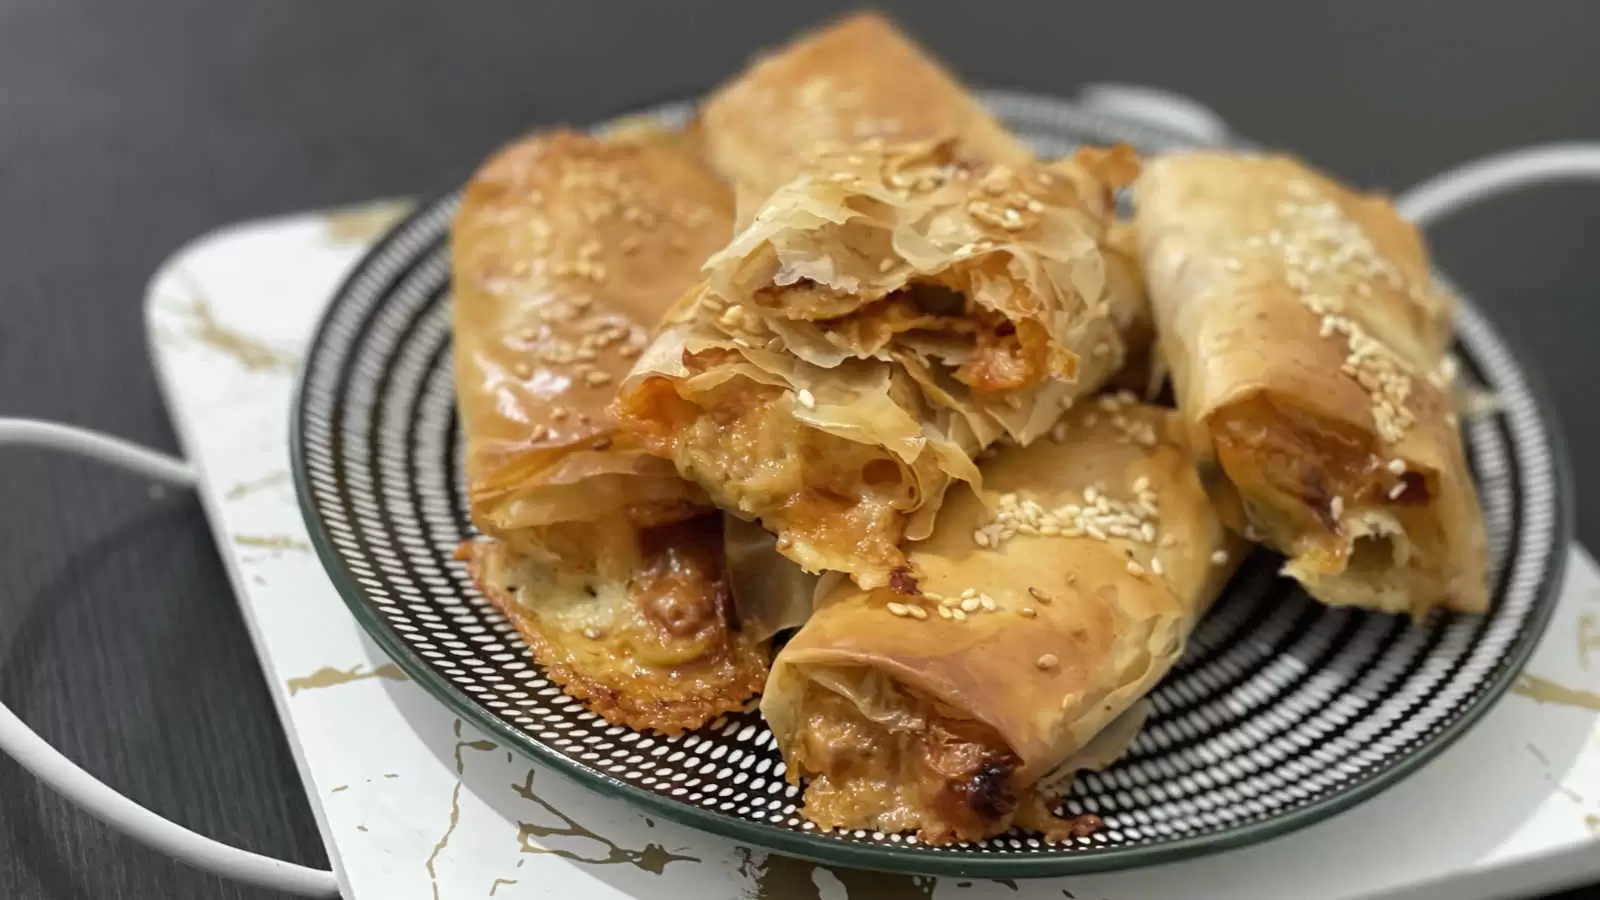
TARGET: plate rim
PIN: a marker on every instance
(815, 846)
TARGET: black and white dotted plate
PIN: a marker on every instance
(1282, 713)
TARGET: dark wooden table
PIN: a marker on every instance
(128, 128)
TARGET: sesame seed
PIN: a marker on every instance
(1396, 491)
(899, 609)
(944, 612)
(1397, 466)
(1099, 516)
(1134, 568)
(1047, 662)
(886, 264)
(969, 593)
(593, 633)
(1327, 257)
(1141, 484)
(1336, 507)
(559, 414)
(1155, 565)
(1219, 558)
(596, 378)
(1040, 596)
(988, 603)
(957, 614)
(918, 613)
(805, 398)
(970, 605)
(1027, 612)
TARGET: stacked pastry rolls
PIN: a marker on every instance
(1047, 606)
(886, 315)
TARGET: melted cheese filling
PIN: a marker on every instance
(1308, 483)
(834, 503)
(947, 778)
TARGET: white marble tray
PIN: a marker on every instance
(413, 804)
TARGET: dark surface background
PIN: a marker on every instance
(127, 128)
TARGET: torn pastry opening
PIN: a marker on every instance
(888, 758)
(649, 640)
(1309, 477)
(995, 274)
(985, 349)
(1359, 524)
(834, 503)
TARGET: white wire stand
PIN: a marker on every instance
(47, 764)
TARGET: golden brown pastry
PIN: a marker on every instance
(860, 78)
(1044, 612)
(566, 250)
(1307, 348)
(887, 314)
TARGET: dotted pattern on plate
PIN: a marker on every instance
(1280, 704)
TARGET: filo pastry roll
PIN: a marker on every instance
(858, 79)
(1307, 345)
(887, 315)
(1045, 610)
(566, 250)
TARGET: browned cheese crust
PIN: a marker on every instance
(660, 651)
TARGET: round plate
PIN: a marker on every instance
(1282, 713)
